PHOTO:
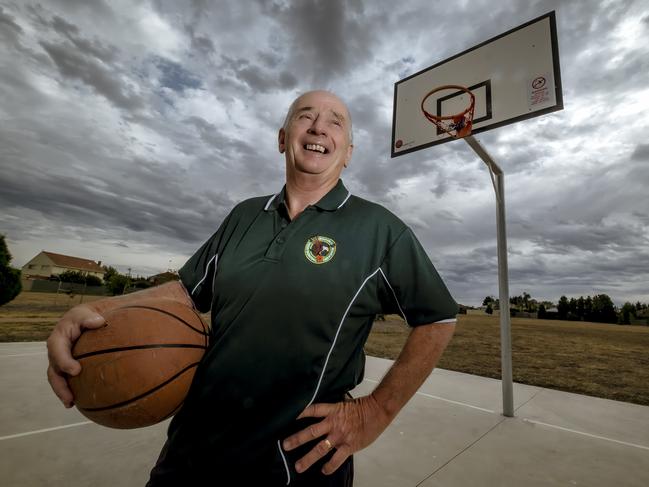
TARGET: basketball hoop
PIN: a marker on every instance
(458, 125)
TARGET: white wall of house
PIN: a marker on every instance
(42, 265)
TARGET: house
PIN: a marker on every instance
(47, 264)
(163, 277)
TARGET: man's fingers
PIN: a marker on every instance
(67, 331)
(338, 458)
(306, 435)
(319, 410)
(96, 321)
(60, 387)
(317, 452)
(59, 347)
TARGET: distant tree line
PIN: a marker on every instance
(598, 309)
(10, 285)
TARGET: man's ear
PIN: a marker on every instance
(281, 140)
(348, 159)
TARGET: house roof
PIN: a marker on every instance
(74, 262)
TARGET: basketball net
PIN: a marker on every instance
(458, 125)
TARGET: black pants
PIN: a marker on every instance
(313, 477)
(253, 475)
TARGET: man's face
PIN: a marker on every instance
(316, 137)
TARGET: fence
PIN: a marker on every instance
(41, 286)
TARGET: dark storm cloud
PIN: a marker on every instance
(328, 38)
(9, 29)
(641, 153)
(256, 78)
(93, 48)
(576, 181)
(226, 146)
(200, 44)
(567, 237)
(150, 200)
(73, 64)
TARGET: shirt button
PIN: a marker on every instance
(279, 240)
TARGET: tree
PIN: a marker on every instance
(542, 314)
(486, 301)
(109, 272)
(78, 277)
(563, 307)
(10, 285)
(580, 307)
(603, 309)
(489, 310)
(117, 284)
(588, 308)
(626, 312)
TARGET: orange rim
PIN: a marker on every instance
(466, 116)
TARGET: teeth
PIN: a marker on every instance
(315, 147)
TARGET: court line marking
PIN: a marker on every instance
(45, 430)
(583, 433)
(444, 399)
(590, 435)
(23, 354)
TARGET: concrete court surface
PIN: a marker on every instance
(450, 434)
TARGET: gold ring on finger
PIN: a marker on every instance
(328, 443)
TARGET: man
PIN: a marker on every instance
(294, 282)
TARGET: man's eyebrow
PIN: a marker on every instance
(339, 116)
(336, 114)
(303, 109)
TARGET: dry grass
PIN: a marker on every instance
(609, 361)
(31, 316)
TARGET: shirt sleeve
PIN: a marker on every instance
(411, 285)
(197, 275)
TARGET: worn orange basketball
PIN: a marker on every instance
(136, 370)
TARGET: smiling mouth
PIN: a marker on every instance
(316, 148)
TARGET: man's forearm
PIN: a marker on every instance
(416, 361)
(170, 290)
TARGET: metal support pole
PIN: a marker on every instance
(503, 276)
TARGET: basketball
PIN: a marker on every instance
(136, 370)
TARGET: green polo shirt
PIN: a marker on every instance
(292, 305)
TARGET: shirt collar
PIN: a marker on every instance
(333, 200)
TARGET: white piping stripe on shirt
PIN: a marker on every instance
(333, 344)
(270, 201)
(395, 296)
(207, 269)
(450, 320)
(344, 201)
(288, 473)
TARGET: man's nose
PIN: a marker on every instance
(317, 127)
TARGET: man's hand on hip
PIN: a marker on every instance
(347, 426)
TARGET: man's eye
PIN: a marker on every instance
(308, 116)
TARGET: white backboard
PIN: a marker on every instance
(514, 76)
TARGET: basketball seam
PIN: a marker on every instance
(137, 398)
(137, 306)
(137, 347)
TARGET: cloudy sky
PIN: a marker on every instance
(129, 129)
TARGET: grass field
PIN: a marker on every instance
(609, 361)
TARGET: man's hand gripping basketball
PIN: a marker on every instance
(59, 348)
(87, 317)
(348, 427)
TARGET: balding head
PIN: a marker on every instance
(291, 110)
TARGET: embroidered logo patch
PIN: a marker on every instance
(319, 249)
